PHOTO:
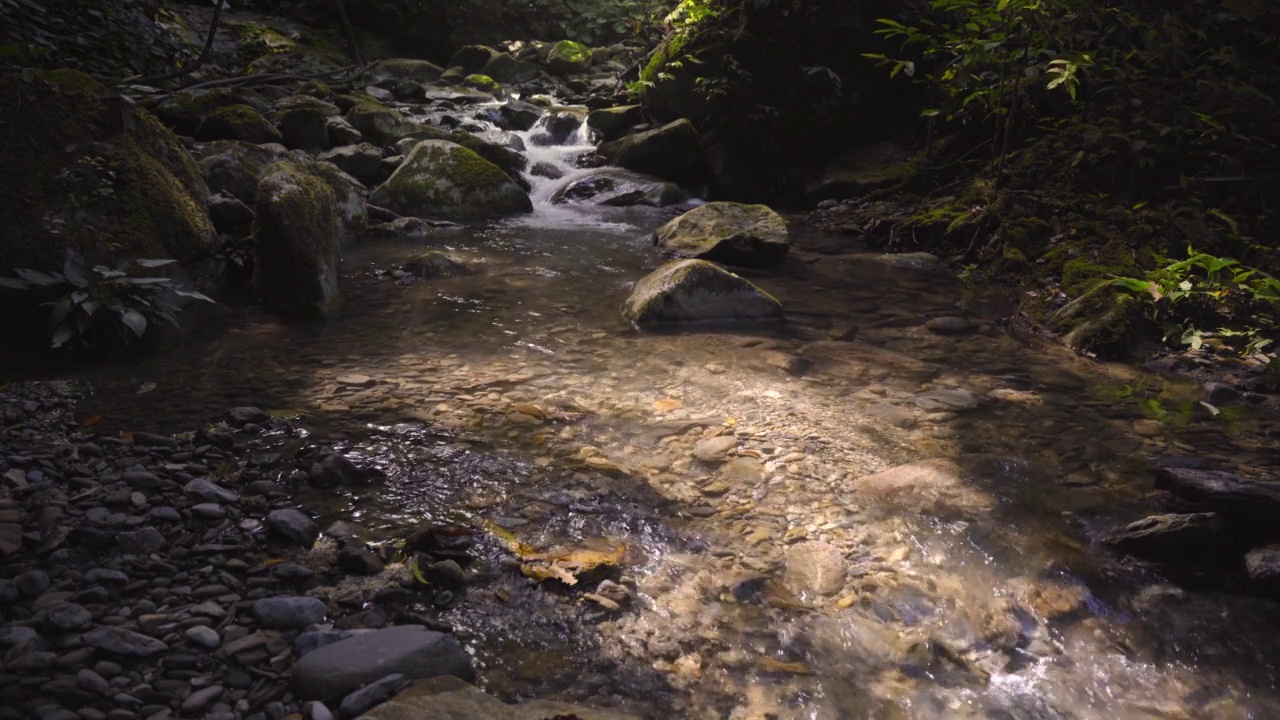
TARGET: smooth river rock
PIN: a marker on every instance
(696, 291)
(336, 670)
(725, 232)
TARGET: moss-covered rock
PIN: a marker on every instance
(349, 197)
(1101, 321)
(443, 179)
(296, 238)
(508, 160)
(236, 168)
(612, 123)
(483, 83)
(434, 264)
(617, 188)
(303, 128)
(696, 291)
(472, 58)
(363, 161)
(669, 92)
(725, 232)
(672, 152)
(400, 69)
(86, 170)
(506, 69)
(861, 170)
(183, 111)
(568, 57)
(237, 122)
(377, 122)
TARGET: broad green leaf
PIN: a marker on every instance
(192, 293)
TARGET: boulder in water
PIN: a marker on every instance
(696, 291)
(444, 179)
(612, 123)
(296, 235)
(519, 115)
(377, 122)
(568, 57)
(562, 125)
(363, 161)
(730, 233)
(671, 151)
(434, 264)
(618, 188)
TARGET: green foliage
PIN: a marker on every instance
(106, 307)
(1206, 299)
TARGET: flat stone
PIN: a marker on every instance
(201, 699)
(67, 617)
(815, 568)
(205, 637)
(370, 695)
(15, 634)
(209, 511)
(141, 542)
(289, 612)
(339, 669)
(241, 416)
(207, 492)
(119, 641)
(949, 325)
(946, 400)
(933, 487)
(357, 380)
(715, 449)
(92, 681)
(32, 582)
(309, 642)
(106, 577)
(1172, 536)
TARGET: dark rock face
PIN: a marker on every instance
(744, 235)
(334, 671)
(672, 151)
(296, 239)
(1170, 537)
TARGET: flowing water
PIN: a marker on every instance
(518, 398)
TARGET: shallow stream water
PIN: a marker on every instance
(518, 398)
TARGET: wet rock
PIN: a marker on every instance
(715, 449)
(1170, 537)
(206, 491)
(363, 161)
(294, 526)
(241, 416)
(1249, 506)
(519, 115)
(339, 669)
(237, 122)
(1262, 565)
(32, 582)
(949, 325)
(378, 123)
(67, 617)
(786, 362)
(506, 69)
(814, 568)
(933, 487)
(200, 700)
(619, 188)
(141, 542)
(568, 57)
(119, 641)
(1051, 598)
(946, 400)
(729, 233)
(334, 469)
(202, 636)
(1217, 394)
(230, 215)
(612, 123)
(443, 179)
(296, 239)
(672, 152)
(375, 693)
(359, 561)
(696, 291)
(289, 612)
(434, 264)
(464, 701)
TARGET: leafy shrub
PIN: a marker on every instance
(105, 307)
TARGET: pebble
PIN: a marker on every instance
(715, 449)
(67, 617)
(92, 681)
(367, 697)
(201, 699)
(289, 612)
(32, 582)
(294, 526)
(205, 637)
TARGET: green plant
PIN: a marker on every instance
(106, 306)
(1203, 291)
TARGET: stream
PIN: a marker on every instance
(782, 576)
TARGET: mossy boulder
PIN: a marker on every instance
(696, 291)
(745, 235)
(400, 69)
(183, 111)
(235, 168)
(86, 170)
(670, 90)
(444, 179)
(568, 57)
(506, 69)
(377, 122)
(1101, 321)
(296, 239)
(473, 57)
(304, 121)
(672, 151)
(237, 122)
(483, 83)
(508, 160)
(363, 161)
(349, 196)
(612, 123)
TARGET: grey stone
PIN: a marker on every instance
(141, 542)
(212, 511)
(715, 449)
(92, 681)
(201, 699)
(294, 526)
(815, 568)
(339, 669)
(207, 492)
(1263, 567)
(369, 696)
(316, 711)
(165, 514)
(67, 617)
(119, 641)
(946, 400)
(205, 637)
(289, 612)
(729, 233)
(106, 576)
(696, 291)
(15, 634)
(32, 662)
(32, 582)
(1173, 536)
(309, 642)
(241, 416)
(949, 325)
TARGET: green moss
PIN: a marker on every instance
(570, 51)
(315, 89)
(669, 50)
(71, 82)
(237, 122)
(482, 82)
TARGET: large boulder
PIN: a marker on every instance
(506, 69)
(304, 122)
(444, 179)
(618, 188)
(568, 57)
(349, 198)
(507, 160)
(296, 236)
(402, 69)
(235, 168)
(183, 111)
(336, 670)
(88, 171)
(472, 58)
(237, 122)
(671, 151)
(614, 122)
(377, 122)
(696, 291)
(363, 161)
(724, 232)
